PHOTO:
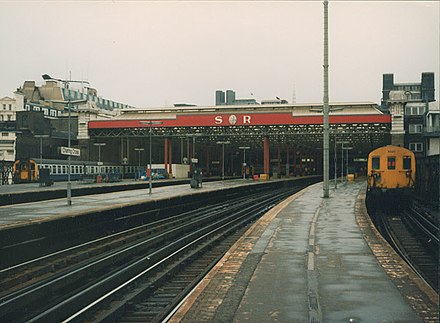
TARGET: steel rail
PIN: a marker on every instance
(214, 228)
(106, 260)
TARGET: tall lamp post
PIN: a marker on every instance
(244, 160)
(41, 154)
(193, 153)
(139, 161)
(69, 102)
(223, 143)
(150, 123)
(326, 108)
(99, 144)
(342, 161)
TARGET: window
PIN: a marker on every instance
(416, 146)
(4, 106)
(5, 134)
(415, 128)
(375, 163)
(406, 162)
(391, 163)
(10, 107)
(9, 118)
(414, 110)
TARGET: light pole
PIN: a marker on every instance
(223, 143)
(99, 144)
(150, 123)
(342, 161)
(69, 102)
(346, 160)
(326, 109)
(139, 161)
(244, 160)
(193, 154)
(41, 155)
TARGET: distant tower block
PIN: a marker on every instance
(230, 97)
(219, 97)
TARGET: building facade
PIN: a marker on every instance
(424, 91)
(8, 138)
(46, 112)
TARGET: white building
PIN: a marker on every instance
(8, 108)
(432, 129)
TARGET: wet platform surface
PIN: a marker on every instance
(23, 213)
(312, 260)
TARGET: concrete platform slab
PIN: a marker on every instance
(311, 260)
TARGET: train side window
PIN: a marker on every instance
(375, 163)
(391, 162)
(406, 162)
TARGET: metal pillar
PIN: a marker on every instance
(279, 161)
(166, 148)
(326, 106)
(294, 160)
(336, 166)
(208, 160)
(266, 156)
(170, 158)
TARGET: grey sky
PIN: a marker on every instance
(164, 52)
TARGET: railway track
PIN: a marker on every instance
(415, 237)
(139, 272)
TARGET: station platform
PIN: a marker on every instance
(16, 215)
(312, 259)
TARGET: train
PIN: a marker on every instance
(28, 170)
(391, 172)
(391, 168)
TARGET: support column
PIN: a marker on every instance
(300, 160)
(279, 160)
(170, 157)
(287, 161)
(266, 156)
(208, 161)
(166, 147)
(294, 160)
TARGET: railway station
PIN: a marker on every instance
(280, 139)
(252, 240)
(249, 238)
(306, 259)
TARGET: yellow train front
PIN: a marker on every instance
(391, 174)
(25, 171)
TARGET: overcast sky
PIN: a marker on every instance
(156, 53)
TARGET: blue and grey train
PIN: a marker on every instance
(27, 170)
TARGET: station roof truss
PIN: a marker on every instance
(360, 124)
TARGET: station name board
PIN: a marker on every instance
(70, 151)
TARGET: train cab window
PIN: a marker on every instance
(375, 163)
(406, 162)
(391, 163)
